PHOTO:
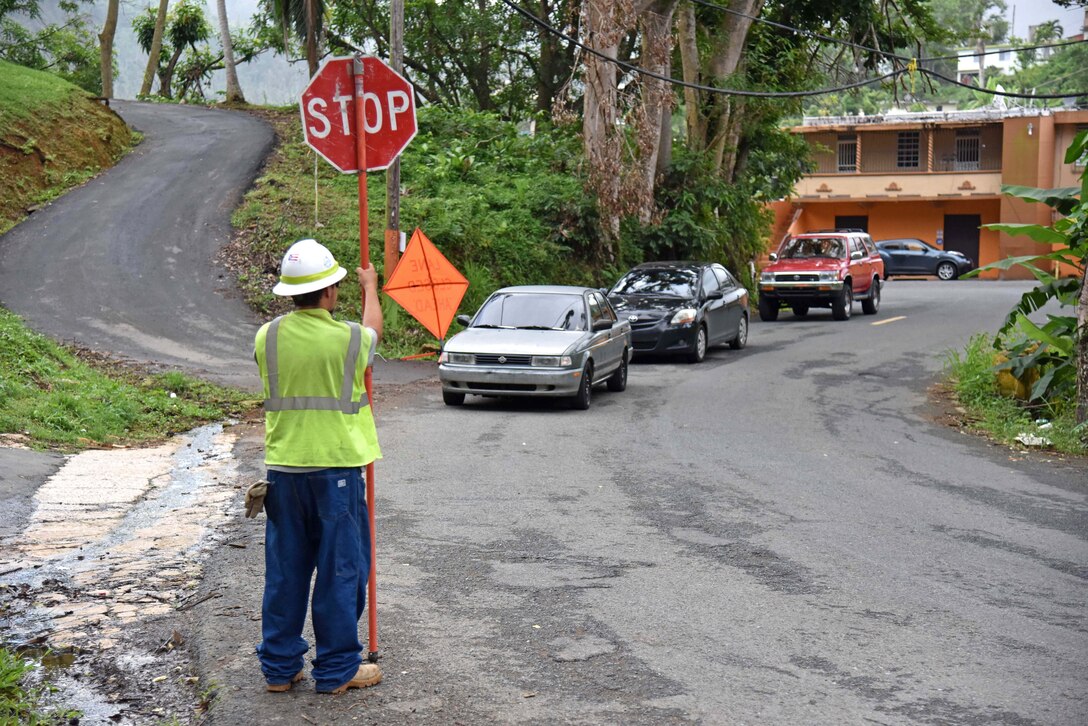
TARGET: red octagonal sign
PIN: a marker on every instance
(328, 113)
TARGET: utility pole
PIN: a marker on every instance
(392, 174)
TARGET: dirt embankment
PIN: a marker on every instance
(50, 141)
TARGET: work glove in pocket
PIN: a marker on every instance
(255, 498)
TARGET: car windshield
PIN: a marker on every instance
(533, 310)
(804, 247)
(671, 283)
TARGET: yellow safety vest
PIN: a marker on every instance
(316, 409)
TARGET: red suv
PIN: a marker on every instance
(822, 269)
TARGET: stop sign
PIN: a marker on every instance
(328, 113)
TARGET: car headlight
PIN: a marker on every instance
(468, 359)
(828, 276)
(552, 361)
(683, 317)
(766, 277)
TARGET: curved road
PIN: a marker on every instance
(126, 263)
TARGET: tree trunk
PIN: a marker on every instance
(600, 137)
(656, 102)
(105, 46)
(311, 36)
(549, 50)
(689, 64)
(234, 90)
(711, 118)
(156, 48)
(166, 78)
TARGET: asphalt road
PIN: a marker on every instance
(126, 264)
(778, 535)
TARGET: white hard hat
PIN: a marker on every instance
(307, 266)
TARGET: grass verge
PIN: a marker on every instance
(1002, 418)
(61, 398)
(23, 704)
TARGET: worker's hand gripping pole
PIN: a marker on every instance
(364, 257)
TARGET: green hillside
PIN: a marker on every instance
(53, 136)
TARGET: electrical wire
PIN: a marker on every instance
(868, 49)
(799, 31)
(1006, 94)
(630, 67)
(775, 94)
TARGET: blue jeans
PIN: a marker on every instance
(316, 521)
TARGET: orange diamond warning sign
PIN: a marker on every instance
(427, 285)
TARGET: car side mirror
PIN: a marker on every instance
(773, 257)
(715, 295)
(856, 255)
(600, 325)
(464, 320)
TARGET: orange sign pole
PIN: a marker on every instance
(364, 257)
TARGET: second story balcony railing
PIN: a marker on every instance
(910, 151)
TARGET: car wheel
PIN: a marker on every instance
(451, 398)
(698, 351)
(584, 397)
(799, 310)
(742, 333)
(768, 310)
(946, 271)
(870, 306)
(841, 307)
(618, 381)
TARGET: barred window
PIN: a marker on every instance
(848, 153)
(907, 151)
(968, 149)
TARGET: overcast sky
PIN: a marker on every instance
(1033, 12)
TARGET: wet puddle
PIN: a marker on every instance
(116, 536)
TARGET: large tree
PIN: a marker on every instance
(186, 27)
(301, 19)
(234, 89)
(622, 132)
(105, 45)
(154, 48)
(478, 54)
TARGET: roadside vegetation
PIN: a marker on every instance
(63, 399)
(503, 206)
(993, 409)
(53, 136)
(23, 704)
(1029, 381)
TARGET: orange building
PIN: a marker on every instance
(933, 176)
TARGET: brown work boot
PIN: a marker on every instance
(369, 674)
(284, 687)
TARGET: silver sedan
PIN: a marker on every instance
(537, 340)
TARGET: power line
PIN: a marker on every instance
(884, 53)
(1007, 94)
(776, 94)
(800, 31)
(1018, 49)
(699, 87)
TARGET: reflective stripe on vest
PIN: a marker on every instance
(343, 404)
